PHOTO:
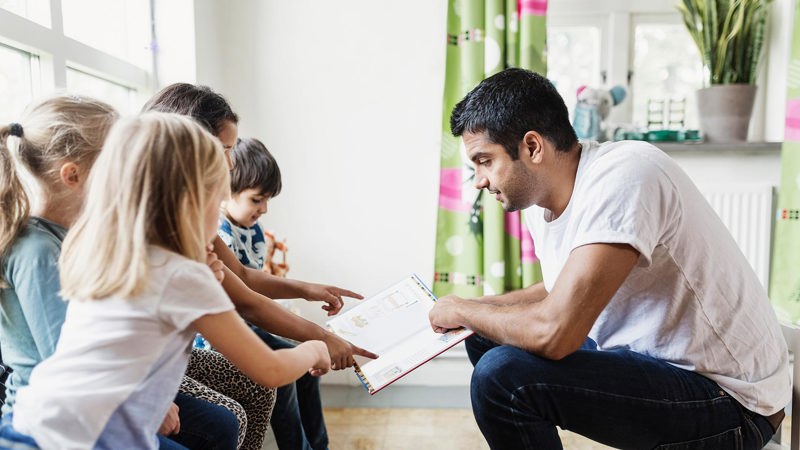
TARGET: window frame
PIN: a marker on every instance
(56, 52)
(618, 20)
(34, 69)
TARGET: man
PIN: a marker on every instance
(650, 328)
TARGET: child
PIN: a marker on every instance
(255, 179)
(57, 146)
(134, 266)
(249, 288)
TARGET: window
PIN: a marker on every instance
(35, 10)
(573, 59)
(17, 78)
(120, 97)
(124, 30)
(666, 67)
(642, 46)
(98, 48)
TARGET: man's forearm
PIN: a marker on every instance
(530, 294)
(519, 325)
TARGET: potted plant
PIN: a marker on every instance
(729, 35)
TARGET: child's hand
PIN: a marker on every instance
(331, 295)
(214, 263)
(341, 352)
(172, 423)
(323, 364)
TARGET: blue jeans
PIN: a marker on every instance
(619, 398)
(12, 439)
(204, 425)
(297, 420)
(165, 443)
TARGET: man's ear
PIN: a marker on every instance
(532, 146)
(72, 175)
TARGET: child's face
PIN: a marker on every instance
(247, 206)
(212, 214)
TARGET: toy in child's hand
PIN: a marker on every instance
(593, 108)
(270, 265)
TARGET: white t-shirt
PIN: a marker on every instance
(692, 300)
(118, 363)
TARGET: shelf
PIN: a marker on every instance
(736, 148)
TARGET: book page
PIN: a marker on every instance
(386, 319)
(394, 324)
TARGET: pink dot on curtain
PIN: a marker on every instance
(450, 185)
(532, 7)
(793, 120)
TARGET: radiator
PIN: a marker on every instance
(747, 211)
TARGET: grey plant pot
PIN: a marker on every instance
(724, 111)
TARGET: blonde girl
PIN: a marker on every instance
(134, 267)
(60, 140)
(56, 145)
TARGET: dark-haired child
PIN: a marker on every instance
(297, 419)
(255, 179)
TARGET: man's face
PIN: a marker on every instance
(511, 181)
(245, 207)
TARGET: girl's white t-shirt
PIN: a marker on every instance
(692, 300)
(118, 363)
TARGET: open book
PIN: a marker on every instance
(394, 324)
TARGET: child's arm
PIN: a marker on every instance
(266, 314)
(36, 282)
(230, 336)
(278, 287)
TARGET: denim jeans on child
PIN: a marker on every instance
(204, 425)
(297, 420)
(619, 398)
(11, 438)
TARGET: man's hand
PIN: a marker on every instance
(171, 424)
(214, 264)
(331, 295)
(342, 352)
(445, 315)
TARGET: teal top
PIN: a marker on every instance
(31, 310)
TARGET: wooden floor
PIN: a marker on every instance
(415, 429)
(418, 429)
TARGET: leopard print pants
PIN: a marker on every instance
(213, 378)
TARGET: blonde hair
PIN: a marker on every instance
(53, 131)
(151, 185)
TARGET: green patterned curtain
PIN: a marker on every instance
(480, 249)
(785, 278)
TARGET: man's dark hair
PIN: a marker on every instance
(254, 167)
(509, 104)
(199, 102)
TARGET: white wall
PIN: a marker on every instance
(347, 95)
(348, 98)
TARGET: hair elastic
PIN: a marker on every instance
(15, 130)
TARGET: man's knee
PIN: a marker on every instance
(496, 368)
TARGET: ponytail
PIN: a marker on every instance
(59, 128)
(13, 200)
